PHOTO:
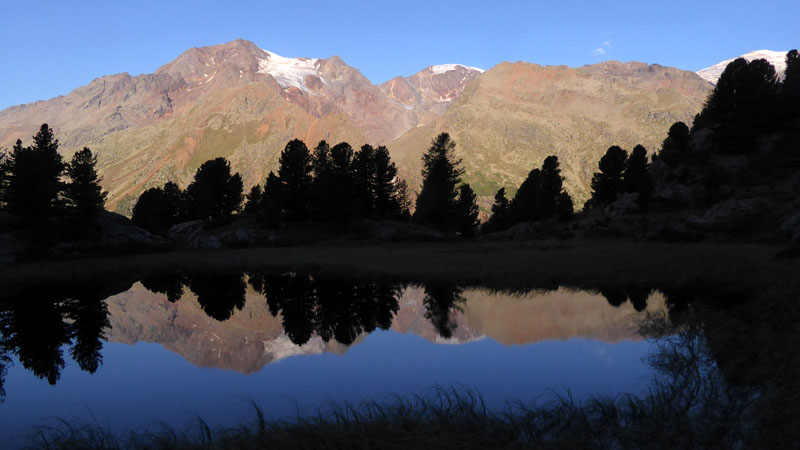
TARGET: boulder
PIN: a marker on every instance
(193, 234)
(674, 194)
(731, 215)
(117, 231)
(627, 203)
(791, 228)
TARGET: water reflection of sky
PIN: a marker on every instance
(143, 384)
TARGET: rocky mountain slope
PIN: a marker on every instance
(777, 59)
(241, 102)
(515, 114)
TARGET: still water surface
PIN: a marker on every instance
(171, 348)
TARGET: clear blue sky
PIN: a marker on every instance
(52, 47)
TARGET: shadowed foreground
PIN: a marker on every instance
(505, 265)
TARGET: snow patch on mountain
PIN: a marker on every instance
(289, 72)
(777, 59)
(442, 68)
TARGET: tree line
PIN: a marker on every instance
(330, 185)
(36, 185)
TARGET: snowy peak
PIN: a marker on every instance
(442, 68)
(777, 59)
(290, 72)
(438, 84)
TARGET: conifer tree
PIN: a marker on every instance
(253, 200)
(499, 219)
(323, 201)
(386, 204)
(403, 201)
(791, 83)
(607, 183)
(466, 213)
(294, 174)
(5, 172)
(565, 207)
(635, 168)
(214, 192)
(550, 188)
(83, 193)
(675, 148)
(152, 211)
(269, 208)
(524, 206)
(178, 203)
(441, 172)
(342, 196)
(35, 178)
(364, 181)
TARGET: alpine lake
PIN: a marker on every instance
(168, 348)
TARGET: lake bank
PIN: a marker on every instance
(507, 265)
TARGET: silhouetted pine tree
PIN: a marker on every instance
(83, 193)
(565, 207)
(342, 197)
(500, 219)
(178, 203)
(269, 209)
(157, 209)
(607, 183)
(524, 206)
(741, 104)
(385, 187)
(466, 213)
(294, 173)
(5, 172)
(253, 199)
(152, 211)
(441, 172)
(791, 84)
(635, 168)
(364, 181)
(323, 201)
(214, 192)
(675, 148)
(35, 178)
(551, 186)
(403, 201)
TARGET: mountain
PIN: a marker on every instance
(515, 114)
(777, 59)
(244, 103)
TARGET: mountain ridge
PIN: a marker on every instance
(244, 103)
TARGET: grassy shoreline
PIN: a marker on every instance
(507, 265)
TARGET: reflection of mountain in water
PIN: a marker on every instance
(248, 340)
(253, 337)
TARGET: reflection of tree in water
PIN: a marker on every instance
(89, 314)
(218, 295)
(331, 308)
(293, 296)
(617, 296)
(170, 284)
(440, 300)
(34, 330)
(36, 324)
